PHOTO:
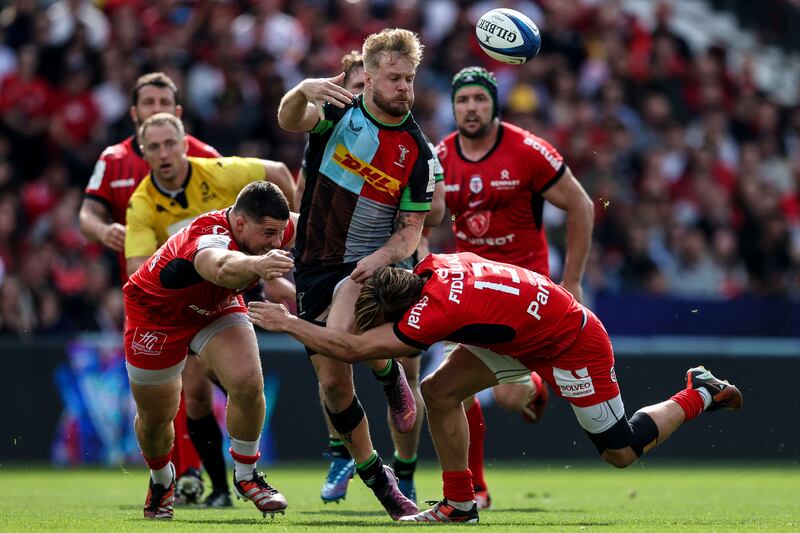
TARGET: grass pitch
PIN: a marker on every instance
(541, 497)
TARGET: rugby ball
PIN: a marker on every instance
(508, 36)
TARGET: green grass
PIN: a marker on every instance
(541, 497)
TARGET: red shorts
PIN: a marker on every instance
(584, 373)
(156, 347)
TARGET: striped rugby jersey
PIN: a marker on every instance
(359, 174)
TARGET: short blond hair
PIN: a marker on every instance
(388, 41)
(159, 119)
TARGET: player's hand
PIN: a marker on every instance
(366, 266)
(113, 236)
(321, 90)
(274, 264)
(269, 316)
(575, 289)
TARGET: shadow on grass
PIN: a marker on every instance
(344, 512)
(530, 510)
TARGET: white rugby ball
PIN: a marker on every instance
(508, 36)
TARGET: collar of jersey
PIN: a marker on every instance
(173, 195)
(371, 117)
(500, 130)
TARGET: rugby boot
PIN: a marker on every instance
(483, 499)
(533, 412)
(189, 488)
(219, 498)
(723, 394)
(266, 498)
(340, 472)
(402, 406)
(444, 512)
(159, 502)
(392, 499)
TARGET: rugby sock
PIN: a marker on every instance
(245, 456)
(207, 439)
(691, 401)
(184, 454)
(337, 448)
(161, 470)
(388, 373)
(457, 488)
(477, 432)
(404, 468)
(371, 472)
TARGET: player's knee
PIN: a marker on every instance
(155, 420)
(436, 391)
(336, 389)
(246, 387)
(197, 405)
(621, 458)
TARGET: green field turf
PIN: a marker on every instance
(540, 497)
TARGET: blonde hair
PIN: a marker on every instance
(386, 296)
(388, 41)
(159, 119)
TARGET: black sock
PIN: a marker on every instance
(207, 439)
(404, 469)
(337, 449)
(389, 374)
(371, 472)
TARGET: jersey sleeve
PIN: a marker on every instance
(546, 164)
(140, 235)
(425, 323)
(239, 171)
(99, 187)
(330, 116)
(427, 170)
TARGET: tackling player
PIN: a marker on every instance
(187, 296)
(178, 189)
(509, 321)
(497, 178)
(117, 173)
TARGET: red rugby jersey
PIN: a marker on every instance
(505, 308)
(497, 201)
(167, 289)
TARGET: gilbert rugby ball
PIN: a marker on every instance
(508, 36)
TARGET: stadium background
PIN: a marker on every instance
(680, 118)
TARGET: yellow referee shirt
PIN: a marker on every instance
(154, 214)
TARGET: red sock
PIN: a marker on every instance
(185, 455)
(458, 486)
(157, 463)
(477, 432)
(690, 401)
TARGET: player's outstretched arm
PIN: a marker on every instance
(300, 108)
(93, 220)
(376, 343)
(233, 270)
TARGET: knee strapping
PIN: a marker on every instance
(347, 420)
(645, 431)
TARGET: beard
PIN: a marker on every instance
(393, 108)
(482, 130)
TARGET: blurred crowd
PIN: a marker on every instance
(694, 171)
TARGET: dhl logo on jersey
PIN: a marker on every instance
(378, 179)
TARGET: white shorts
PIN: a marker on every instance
(142, 376)
(506, 369)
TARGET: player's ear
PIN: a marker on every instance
(134, 115)
(179, 111)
